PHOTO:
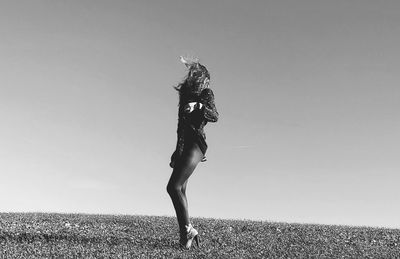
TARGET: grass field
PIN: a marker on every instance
(38, 235)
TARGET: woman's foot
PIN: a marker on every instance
(188, 237)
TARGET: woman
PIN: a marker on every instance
(196, 108)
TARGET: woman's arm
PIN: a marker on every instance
(210, 111)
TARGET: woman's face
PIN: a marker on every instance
(195, 72)
(197, 78)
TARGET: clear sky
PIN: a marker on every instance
(307, 91)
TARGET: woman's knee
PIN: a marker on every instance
(173, 189)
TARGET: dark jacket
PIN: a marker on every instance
(191, 125)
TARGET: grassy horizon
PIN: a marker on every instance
(52, 235)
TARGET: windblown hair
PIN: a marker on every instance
(195, 81)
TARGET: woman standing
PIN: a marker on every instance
(196, 108)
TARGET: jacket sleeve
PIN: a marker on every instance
(180, 134)
(210, 112)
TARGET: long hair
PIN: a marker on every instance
(195, 81)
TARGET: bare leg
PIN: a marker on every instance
(176, 187)
(186, 204)
(184, 191)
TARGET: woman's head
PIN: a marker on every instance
(197, 79)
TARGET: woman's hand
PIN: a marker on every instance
(192, 106)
